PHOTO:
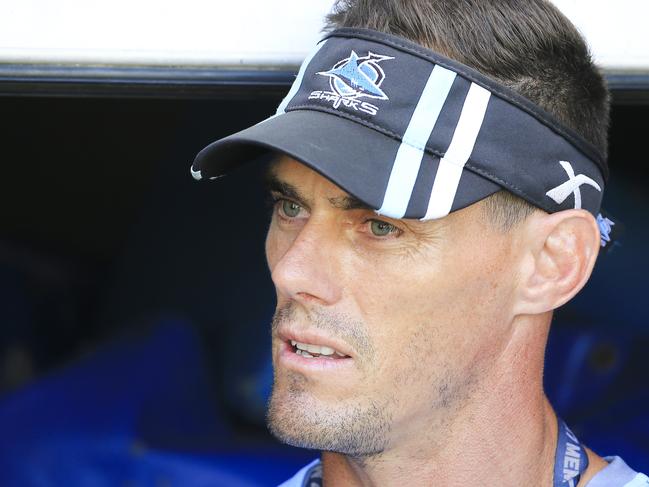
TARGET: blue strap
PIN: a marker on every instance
(571, 459)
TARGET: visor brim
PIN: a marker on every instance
(356, 158)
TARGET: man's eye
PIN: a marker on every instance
(290, 209)
(382, 229)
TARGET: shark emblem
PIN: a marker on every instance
(357, 77)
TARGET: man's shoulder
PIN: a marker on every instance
(618, 474)
(313, 469)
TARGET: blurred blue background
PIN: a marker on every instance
(135, 303)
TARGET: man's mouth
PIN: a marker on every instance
(309, 350)
(314, 358)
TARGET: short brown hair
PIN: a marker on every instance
(527, 45)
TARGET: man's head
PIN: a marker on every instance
(433, 283)
(425, 309)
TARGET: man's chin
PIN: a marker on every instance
(290, 418)
(298, 419)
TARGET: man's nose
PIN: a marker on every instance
(307, 271)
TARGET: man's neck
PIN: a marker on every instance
(515, 451)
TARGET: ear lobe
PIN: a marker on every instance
(562, 250)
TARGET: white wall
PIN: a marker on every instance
(616, 31)
(244, 32)
(188, 32)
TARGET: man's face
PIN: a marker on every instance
(418, 309)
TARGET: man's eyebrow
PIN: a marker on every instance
(349, 203)
(275, 184)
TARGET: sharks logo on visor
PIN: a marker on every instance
(353, 78)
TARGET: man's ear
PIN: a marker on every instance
(559, 254)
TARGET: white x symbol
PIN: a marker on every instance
(560, 193)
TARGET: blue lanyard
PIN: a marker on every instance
(570, 461)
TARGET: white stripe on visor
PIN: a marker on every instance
(295, 87)
(452, 164)
(411, 152)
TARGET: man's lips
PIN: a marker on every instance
(315, 343)
(312, 352)
(289, 358)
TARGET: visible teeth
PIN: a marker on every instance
(326, 351)
(306, 354)
(315, 349)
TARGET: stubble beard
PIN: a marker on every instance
(358, 430)
(358, 427)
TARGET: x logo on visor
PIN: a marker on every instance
(561, 192)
